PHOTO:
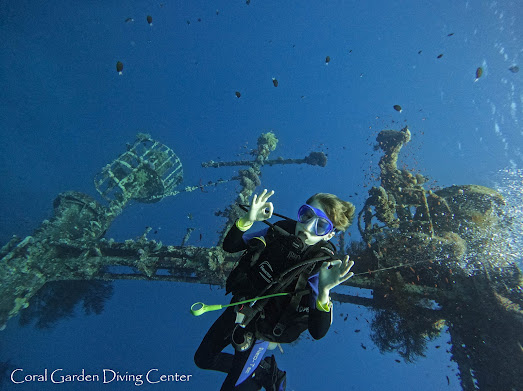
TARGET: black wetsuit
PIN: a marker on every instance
(305, 316)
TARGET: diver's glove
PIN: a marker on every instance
(260, 209)
(332, 274)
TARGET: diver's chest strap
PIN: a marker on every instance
(299, 292)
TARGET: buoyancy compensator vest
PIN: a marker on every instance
(265, 258)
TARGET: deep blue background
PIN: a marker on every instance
(65, 113)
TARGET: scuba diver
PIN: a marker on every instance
(292, 262)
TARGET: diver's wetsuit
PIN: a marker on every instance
(306, 316)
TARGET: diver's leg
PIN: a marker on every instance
(270, 376)
(209, 354)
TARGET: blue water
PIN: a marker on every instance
(66, 113)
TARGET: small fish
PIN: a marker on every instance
(275, 82)
(479, 72)
(155, 232)
(357, 330)
(398, 108)
(247, 2)
(150, 20)
(346, 317)
(440, 55)
(238, 94)
(437, 346)
(119, 67)
(450, 35)
(201, 237)
(448, 380)
(188, 22)
(514, 69)
(217, 12)
(364, 347)
(199, 19)
(398, 361)
(327, 60)
(420, 51)
(129, 20)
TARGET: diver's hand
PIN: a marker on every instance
(260, 209)
(333, 273)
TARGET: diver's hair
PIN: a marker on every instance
(340, 212)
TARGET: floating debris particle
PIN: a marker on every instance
(217, 12)
(238, 94)
(188, 21)
(327, 59)
(275, 82)
(479, 72)
(119, 67)
(247, 2)
(419, 52)
(129, 20)
(150, 20)
(514, 69)
(199, 19)
(440, 55)
(398, 108)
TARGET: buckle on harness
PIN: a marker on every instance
(278, 330)
(244, 315)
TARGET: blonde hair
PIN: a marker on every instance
(340, 212)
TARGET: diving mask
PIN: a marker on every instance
(322, 225)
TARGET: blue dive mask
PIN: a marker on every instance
(322, 225)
